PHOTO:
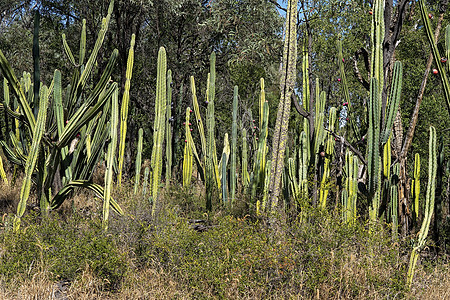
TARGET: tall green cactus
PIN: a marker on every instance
(303, 162)
(169, 129)
(328, 154)
(124, 109)
(111, 156)
(32, 157)
(394, 200)
(416, 187)
(198, 119)
(145, 183)
(138, 160)
(244, 162)
(188, 152)
(159, 125)
(379, 133)
(349, 195)
(233, 147)
(429, 206)
(211, 165)
(224, 178)
(293, 183)
(377, 38)
(266, 187)
(286, 87)
(259, 169)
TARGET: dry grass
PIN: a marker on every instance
(433, 284)
(157, 284)
(9, 195)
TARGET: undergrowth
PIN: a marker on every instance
(184, 253)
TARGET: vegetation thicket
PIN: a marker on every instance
(321, 199)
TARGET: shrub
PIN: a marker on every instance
(65, 248)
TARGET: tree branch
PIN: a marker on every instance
(350, 146)
(274, 2)
(356, 71)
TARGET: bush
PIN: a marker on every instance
(65, 248)
(245, 258)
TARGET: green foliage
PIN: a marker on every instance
(66, 248)
(302, 256)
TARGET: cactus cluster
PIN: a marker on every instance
(66, 136)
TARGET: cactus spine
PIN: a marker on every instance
(138, 160)
(429, 206)
(286, 87)
(124, 109)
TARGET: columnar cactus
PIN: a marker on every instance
(111, 156)
(211, 164)
(32, 158)
(394, 200)
(198, 117)
(145, 183)
(429, 206)
(159, 125)
(416, 187)
(244, 162)
(286, 87)
(379, 133)
(327, 157)
(259, 169)
(377, 38)
(124, 109)
(349, 194)
(188, 151)
(169, 121)
(138, 160)
(303, 162)
(233, 148)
